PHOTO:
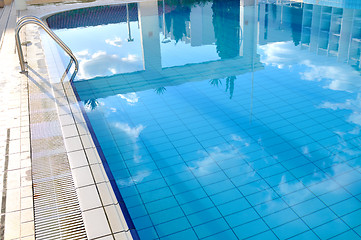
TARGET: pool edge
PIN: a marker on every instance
(91, 158)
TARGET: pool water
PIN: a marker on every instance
(225, 119)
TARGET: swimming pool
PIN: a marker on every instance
(225, 119)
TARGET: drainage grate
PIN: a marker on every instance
(57, 212)
(56, 207)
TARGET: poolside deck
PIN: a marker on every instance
(47, 161)
(17, 219)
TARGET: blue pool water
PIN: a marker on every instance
(225, 119)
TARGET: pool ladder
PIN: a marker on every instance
(34, 20)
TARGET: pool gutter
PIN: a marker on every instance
(100, 209)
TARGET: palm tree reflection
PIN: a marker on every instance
(160, 90)
(91, 104)
(215, 82)
(230, 85)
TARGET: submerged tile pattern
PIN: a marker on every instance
(192, 163)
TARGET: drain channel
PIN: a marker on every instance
(57, 213)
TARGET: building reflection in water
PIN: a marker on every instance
(205, 29)
(321, 29)
(203, 36)
(212, 36)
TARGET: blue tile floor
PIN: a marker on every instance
(192, 163)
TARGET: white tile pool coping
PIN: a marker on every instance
(101, 212)
(103, 218)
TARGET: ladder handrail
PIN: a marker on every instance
(25, 18)
(34, 20)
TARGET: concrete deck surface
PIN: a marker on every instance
(17, 219)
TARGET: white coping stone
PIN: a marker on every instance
(27, 202)
(87, 141)
(73, 144)
(82, 176)
(107, 195)
(26, 191)
(77, 159)
(123, 236)
(69, 131)
(66, 120)
(78, 117)
(27, 229)
(110, 237)
(92, 155)
(82, 128)
(28, 238)
(64, 110)
(27, 215)
(88, 198)
(96, 223)
(117, 223)
(98, 173)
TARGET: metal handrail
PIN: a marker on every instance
(34, 20)
(23, 19)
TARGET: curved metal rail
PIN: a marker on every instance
(34, 20)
